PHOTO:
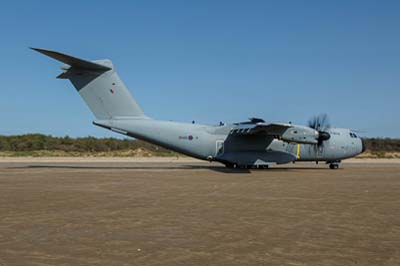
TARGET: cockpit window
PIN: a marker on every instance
(353, 135)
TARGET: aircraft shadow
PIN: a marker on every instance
(220, 169)
(107, 167)
(241, 171)
(223, 169)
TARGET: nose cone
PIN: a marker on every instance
(362, 146)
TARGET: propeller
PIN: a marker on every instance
(321, 124)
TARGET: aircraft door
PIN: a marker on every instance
(219, 147)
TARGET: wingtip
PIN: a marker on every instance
(39, 50)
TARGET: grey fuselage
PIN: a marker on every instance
(215, 143)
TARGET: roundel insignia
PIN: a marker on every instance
(190, 137)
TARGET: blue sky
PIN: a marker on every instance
(207, 61)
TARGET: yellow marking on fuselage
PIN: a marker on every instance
(298, 151)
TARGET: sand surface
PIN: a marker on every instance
(99, 211)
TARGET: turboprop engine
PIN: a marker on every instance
(301, 134)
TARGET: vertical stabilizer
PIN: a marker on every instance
(99, 85)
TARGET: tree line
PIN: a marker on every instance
(382, 144)
(35, 142)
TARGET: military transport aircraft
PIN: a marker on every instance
(254, 143)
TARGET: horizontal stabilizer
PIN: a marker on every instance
(72, 61)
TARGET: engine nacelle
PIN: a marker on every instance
(301, 134)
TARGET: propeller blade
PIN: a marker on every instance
(321, 124)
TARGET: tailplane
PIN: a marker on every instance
(99, 85)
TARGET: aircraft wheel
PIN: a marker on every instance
(230, 165)
(334, 166)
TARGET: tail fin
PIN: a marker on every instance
(99, 85)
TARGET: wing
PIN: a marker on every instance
(273, 129)
(286, 132)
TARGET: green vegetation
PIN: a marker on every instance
(382, 145)
(381, 148)
(39, 145)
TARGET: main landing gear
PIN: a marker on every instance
(232, 165)
(237, 166)
(333, 165)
